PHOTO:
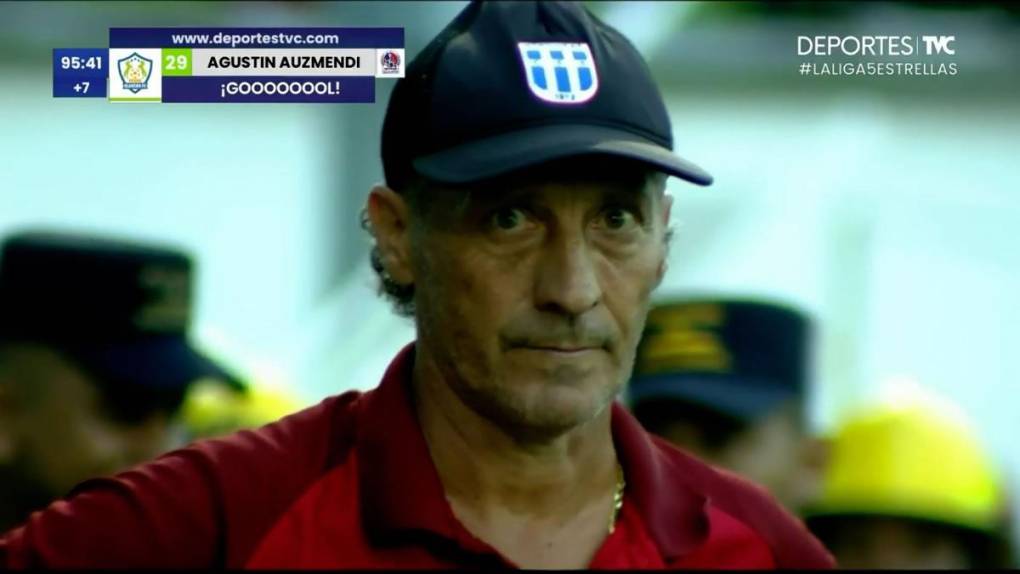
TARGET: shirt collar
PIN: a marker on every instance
(400, 487)
(674, 513)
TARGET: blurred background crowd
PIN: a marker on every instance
(859, 245)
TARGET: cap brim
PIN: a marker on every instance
(158, 362)
(729, 396)
(504, 153)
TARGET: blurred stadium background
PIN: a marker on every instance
(888, 207)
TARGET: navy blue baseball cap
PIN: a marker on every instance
(740, 358)
(120, 309)
(509, 85)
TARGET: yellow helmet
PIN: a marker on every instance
(915, 459)
(211, 409)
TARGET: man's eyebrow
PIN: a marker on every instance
(451, 203)
(641, 195)
(474, 198)
(643, 188)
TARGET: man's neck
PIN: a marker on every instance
(543, 504)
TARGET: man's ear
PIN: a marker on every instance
(667, 206)
(388, 214)
(660, 273)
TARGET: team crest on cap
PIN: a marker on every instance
(559, 73)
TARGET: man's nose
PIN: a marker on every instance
(566, 281)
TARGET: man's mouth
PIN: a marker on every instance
(558, 348)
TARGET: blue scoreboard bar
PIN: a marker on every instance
(80, 72)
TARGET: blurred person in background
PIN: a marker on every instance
(727, 380)
(523, 225)
(94, 361)
(909, 486)
(212, 409)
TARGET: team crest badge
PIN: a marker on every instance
(390, 61)
(559, 73)
(135, 71)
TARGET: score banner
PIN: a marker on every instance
(223, 65)
(79, 73)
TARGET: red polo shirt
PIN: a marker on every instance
(349, 484)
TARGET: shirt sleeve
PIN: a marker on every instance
(164, 513)
(204, 506)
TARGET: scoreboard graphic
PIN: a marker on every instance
(232, 65)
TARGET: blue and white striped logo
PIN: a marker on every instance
(559, 73)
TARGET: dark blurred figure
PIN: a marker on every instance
(909, 487)
(94, 361)
(726, 380)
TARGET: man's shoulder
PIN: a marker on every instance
(208, 503)
(313, 438)
(750, 504)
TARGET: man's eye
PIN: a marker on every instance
(508, 219)
(618, 218)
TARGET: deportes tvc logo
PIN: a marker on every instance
(875, 45)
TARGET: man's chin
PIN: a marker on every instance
(547, 410)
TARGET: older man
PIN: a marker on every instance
(523, 223)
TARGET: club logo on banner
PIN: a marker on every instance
(559, 73)
(136, 75)
(389, 63)
(135, 71)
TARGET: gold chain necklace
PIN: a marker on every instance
(617, 497)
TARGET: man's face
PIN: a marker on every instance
(532, 291)
(58, 426)
(772, 451)
(873, 542)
